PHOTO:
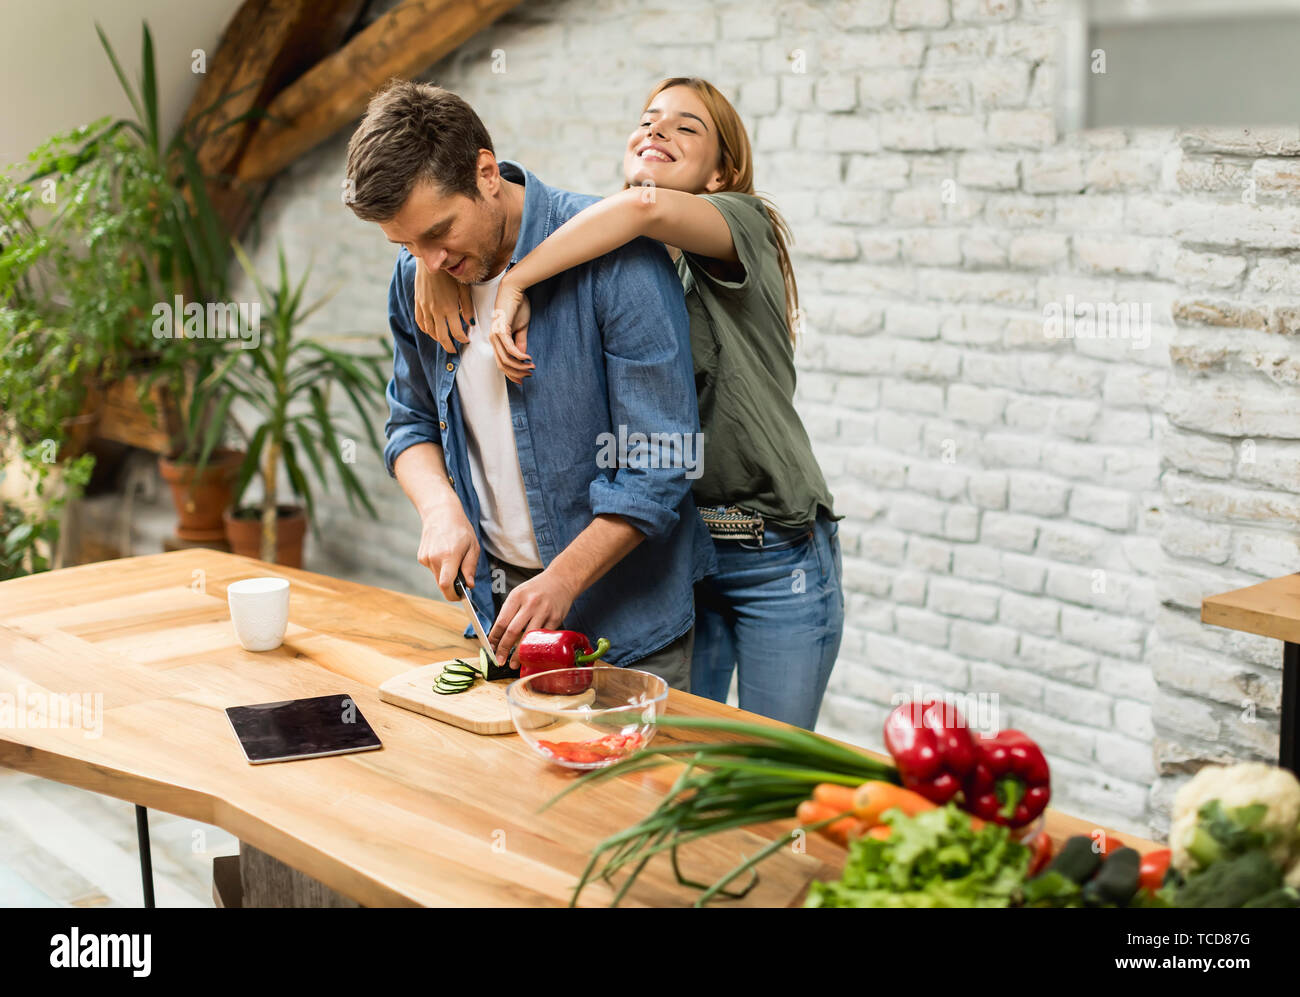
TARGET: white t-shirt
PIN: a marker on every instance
(490, 439)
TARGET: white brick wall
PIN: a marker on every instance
(1031, 517)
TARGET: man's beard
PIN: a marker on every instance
(476, 271)
(490, 262)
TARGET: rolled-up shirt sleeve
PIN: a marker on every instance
(412, 409)
(652, 403)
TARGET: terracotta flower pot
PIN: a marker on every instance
(200, 503)
(244, 533)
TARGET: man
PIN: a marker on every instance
(506, 477)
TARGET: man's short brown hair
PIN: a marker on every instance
(413, 132)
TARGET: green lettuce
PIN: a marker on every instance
(933, 859)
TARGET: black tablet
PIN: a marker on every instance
(301, 728)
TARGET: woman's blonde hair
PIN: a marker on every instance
(736, 162)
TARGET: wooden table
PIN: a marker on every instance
(439, 816)
(1270, 609)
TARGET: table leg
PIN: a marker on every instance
(1288, 755)
(146, 859)
(267, 882)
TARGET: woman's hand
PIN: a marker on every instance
(509, 333)
(440, 302)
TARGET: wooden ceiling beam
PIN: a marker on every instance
(268, 44)
(403, 43)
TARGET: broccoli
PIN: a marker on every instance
(1231, 882)
(1222, 833)
(1283, 896)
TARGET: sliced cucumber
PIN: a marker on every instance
(455, 677)
(447, 690)
(459, 674)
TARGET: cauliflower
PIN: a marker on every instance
(1250, 783)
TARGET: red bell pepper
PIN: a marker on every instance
(1151, 871)
(614, 746)
(1010, 783)
(1040, 853)
(932, 747)
(1108, 845)
(548, 650)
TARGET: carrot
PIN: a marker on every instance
(840, 831)
(872, 799)
(810, 812)
(838, 797)
(880, 831)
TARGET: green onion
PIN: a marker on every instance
(724, 785)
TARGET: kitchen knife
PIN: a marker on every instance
(473, 617)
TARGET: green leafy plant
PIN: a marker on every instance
(287, 381)
(18, 552)
(191, 260)
(26, 536)
(97, 226)
(724, 785)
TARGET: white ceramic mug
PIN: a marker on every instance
(259, 608)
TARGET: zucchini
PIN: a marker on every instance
(1077, 861)
(457, 676)
(491, 670)
(1117, 881)
(446, 690)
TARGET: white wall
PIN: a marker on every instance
(55, 75)
(1029, 519)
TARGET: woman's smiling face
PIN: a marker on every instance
(675, 144)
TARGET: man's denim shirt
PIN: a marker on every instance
(611, 342)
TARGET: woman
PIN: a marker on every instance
(774, 612)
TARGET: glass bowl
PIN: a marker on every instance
(613, 717)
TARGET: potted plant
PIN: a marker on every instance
(199, 471)
(48, 365)
(287, 381)
(50, 361)
(111, 222)
(190, 266)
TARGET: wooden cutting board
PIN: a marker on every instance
(482, 709)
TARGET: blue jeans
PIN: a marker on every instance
(776, 613)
